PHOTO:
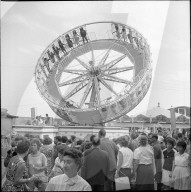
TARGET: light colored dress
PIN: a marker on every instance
(180, 176)
(37, 160)
(64, 183)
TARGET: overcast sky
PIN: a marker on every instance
(27, 28)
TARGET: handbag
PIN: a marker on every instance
(122, 183)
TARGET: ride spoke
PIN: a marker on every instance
(77, 88)
(72, 81)
(88, 88)
(102, 62)
(114, 62)
(97, 88)
(117, 70)
(93, 96)
(82, 63)
(107, 85)
(115, 79)
(77, 72)
(92, 52)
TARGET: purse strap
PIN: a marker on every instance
(123, 173)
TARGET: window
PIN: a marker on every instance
(182, 111)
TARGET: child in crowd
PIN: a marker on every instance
(168, 161)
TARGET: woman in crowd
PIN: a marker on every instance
(168, 161)
(144, 165)
(48, 150)
(59, 163)
(181, 174)
(70, 180)
(12, 152)
(124, 159)
(76, 38)
(17, 177)
(37, 164)
(118, 35)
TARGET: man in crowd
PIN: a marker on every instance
(47, 120)
(112, 149)
(133, 143)
(57, 142)
(95, 166)
(158, 160)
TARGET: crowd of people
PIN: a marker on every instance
(61, 47)
(151, 162)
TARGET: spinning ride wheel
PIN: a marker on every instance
(95, 73)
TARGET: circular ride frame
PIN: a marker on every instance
(134, 46)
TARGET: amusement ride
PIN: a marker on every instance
(95, 73)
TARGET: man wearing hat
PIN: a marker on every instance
(158, 160)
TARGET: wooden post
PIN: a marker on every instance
(173, 119)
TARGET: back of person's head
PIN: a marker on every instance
(58, 138)
(73, 137)
(13, 144)
(96, 141)
(61, 149)
(64, 139)
(23, 146)
(79, 142)
(19, 138)
(91, 137)
(47, 141)
(86, 145)
(155, 136)
(102, 132)
(143, 140)
(123, 141)
(179, 135)
(133, 136)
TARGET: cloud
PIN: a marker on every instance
(27, 51)
(71, 10)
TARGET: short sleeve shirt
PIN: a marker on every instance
(127, 157)
(64, 183)
(144, 154)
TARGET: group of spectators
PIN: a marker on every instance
(149, 161)
(39, 120)
(127, 35)
(71, 41)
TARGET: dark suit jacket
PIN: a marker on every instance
(95, 166)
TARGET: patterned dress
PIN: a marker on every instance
(10, 176)
(48, 150)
